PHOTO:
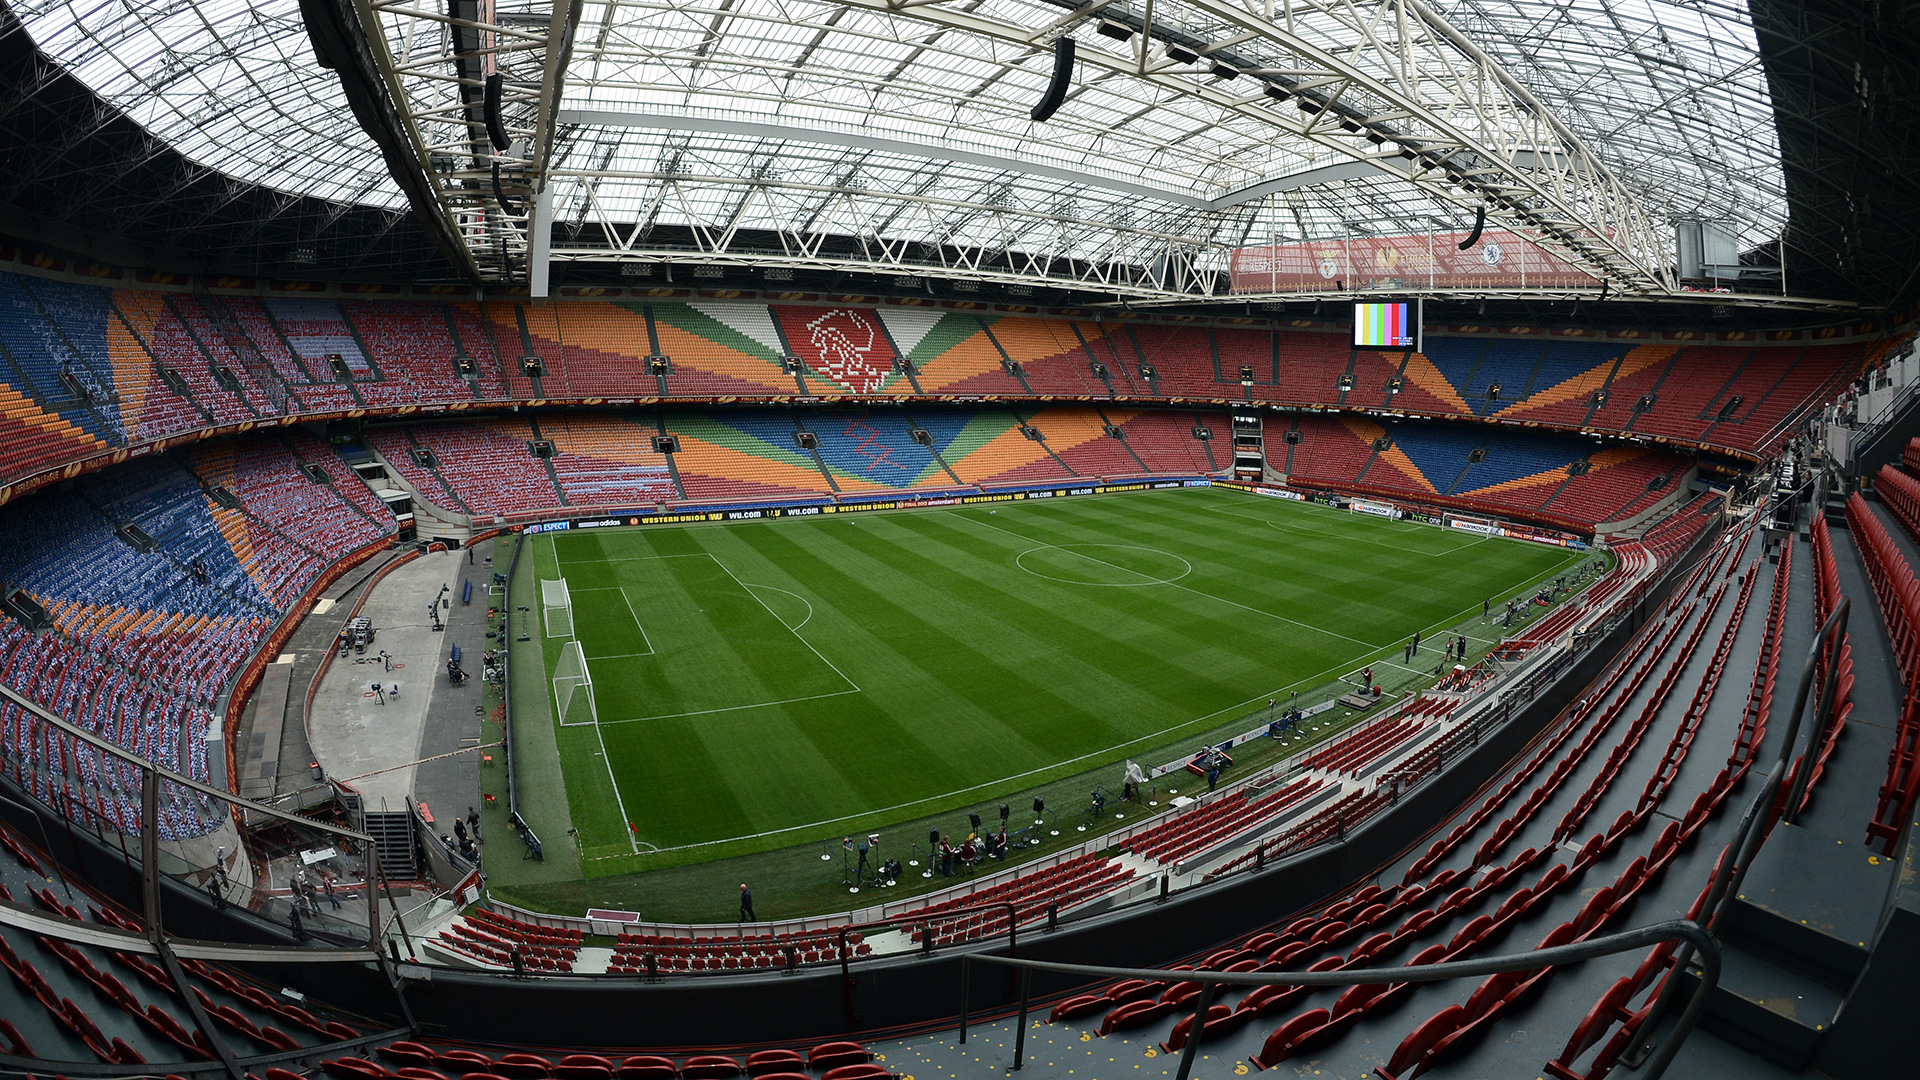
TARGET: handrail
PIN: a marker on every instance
(926, 941)
(1729, 873)
(115, 750)
(1683, 930)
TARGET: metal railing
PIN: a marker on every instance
(1690, 934)
(1756, 822)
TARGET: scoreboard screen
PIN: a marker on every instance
(1391, 325)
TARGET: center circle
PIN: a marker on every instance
(1107, 565)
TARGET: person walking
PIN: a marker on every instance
(473, 822)
(746, 904)
(327, 884)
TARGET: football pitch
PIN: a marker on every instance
(764, 684)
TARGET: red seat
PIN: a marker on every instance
(834, 1054)
(866, 1070)
(352, 1068)
(1082, 1005)
(1134, 1013)
(710, 1067)
(762, 1062)
(583, 1072)
(467, 1060)
(408, 1053)
(274, 1072)
(413, 1072)
(647, 1067)
(1412, 1056)
(1280, 1045)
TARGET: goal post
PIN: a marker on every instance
(573, 687)
(557, 604)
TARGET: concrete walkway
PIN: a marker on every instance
(379, 742)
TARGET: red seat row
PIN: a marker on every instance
(418, 1061)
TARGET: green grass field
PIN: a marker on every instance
(766, 684)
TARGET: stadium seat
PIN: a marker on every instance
(710, 1067)
(647, 1067)
(772, 1061)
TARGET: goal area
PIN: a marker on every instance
(573, 687)
(557, 604)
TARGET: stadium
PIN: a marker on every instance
(857, 539)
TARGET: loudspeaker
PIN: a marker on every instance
(973, 819)
(1062, 81)
(500, 193)
(1479, 223)
(490, 110)
(1005, 813)
(1039, 805)
(933, 838)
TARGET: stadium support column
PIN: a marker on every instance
(540, 241)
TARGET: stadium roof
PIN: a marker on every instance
(890, 136)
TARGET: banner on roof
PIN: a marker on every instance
(1501, 259)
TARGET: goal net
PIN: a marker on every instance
(559, 607)
(573, 687)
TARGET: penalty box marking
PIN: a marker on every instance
(853, 687)
(622, 590)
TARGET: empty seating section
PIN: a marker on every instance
(744, 454)
(1899, 597)
(1353, 754)
(410, 345)
(475, 337)
(1050, 355)
(1331, 449)
(420, 1061)
(1525, 475)
(876, 445)
(126, 346)
(1250, 349)
(322, 519)
(717, 348)
(149, 408)
(76, 1002)
(1217, 820)
(494, 938)
(318, 333)
(1067, 884)
(955, 355)
(489, 463)
(1474, 366)
(1183, 362)
(1079, 438)
(675, 954)
(607, 461)
(993, 451)
(153, 319)
(37, 351)
(1166, 443)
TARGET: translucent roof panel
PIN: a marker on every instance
(1670, 93)
(231, 84)
(805, 115)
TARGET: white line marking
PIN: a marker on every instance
(1165, 733)
(796, 596)
(1183, 588)
(776, 618)
(636, 620)
(607, 758)
(733, 708)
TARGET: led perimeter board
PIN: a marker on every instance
(1394, 324)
